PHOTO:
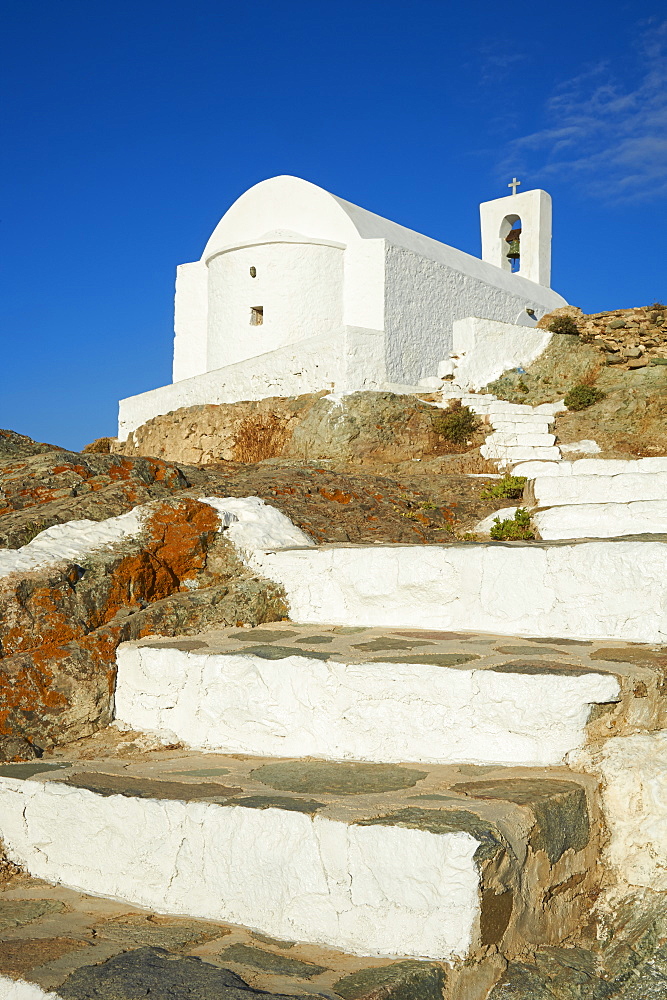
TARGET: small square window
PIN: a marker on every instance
(256, 315)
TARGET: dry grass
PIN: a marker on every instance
(261, 436)
(101, 446)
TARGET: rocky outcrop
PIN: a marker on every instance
(52, 486)
(359, 429)
(332, 506)
(623, 354)
(626, 336)
(61, 624)
(13, 445)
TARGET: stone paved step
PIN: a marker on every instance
(606, 589)
(602, 520)
(547, 491)
(381, 694)
(519, 453)
(429, 862)
(521, 439)
(81, 947)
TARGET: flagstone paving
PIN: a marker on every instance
(88, 948)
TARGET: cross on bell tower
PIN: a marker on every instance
(514, 184)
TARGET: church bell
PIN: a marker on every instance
(514, 251)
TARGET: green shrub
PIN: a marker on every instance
(581, 396)
(564, 325)
(457, 424)
(517, 527)
(507, 488)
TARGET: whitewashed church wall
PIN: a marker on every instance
(309, 366)
(423, 298)
(491, 348)
(299, 287)
(363, 290)
(190, 320)
(364, 364)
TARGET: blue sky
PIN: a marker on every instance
(127, 129)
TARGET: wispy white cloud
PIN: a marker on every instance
(607, 135)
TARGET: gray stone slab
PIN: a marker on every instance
(160, 975)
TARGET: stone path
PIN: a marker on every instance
(521, 433)
(390, 790)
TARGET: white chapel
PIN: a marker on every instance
(298, 291)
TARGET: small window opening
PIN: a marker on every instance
(256, 315)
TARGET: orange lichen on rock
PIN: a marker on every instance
(337, 496)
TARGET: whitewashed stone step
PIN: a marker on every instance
(376, 695)
(519, 453)
(590, 589)
(602, 520)
(521, 440)
(595, 520)
(375, 859)
(521, 427)
(622, 488)
(593, 467)
(504, 406)
(523, 416)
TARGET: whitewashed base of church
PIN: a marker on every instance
(351, 359)
(382, 890)
(300, 707)
(486, 348)
(597, 589)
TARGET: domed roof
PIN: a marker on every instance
(286, 208)
(283, 204)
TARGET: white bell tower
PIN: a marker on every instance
(529, 211)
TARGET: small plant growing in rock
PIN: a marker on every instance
(457, 424)
(565, 325)
(30, 530)
(507, 488)
(513, 528)
(582, 396)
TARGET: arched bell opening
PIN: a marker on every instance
(510, 235)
